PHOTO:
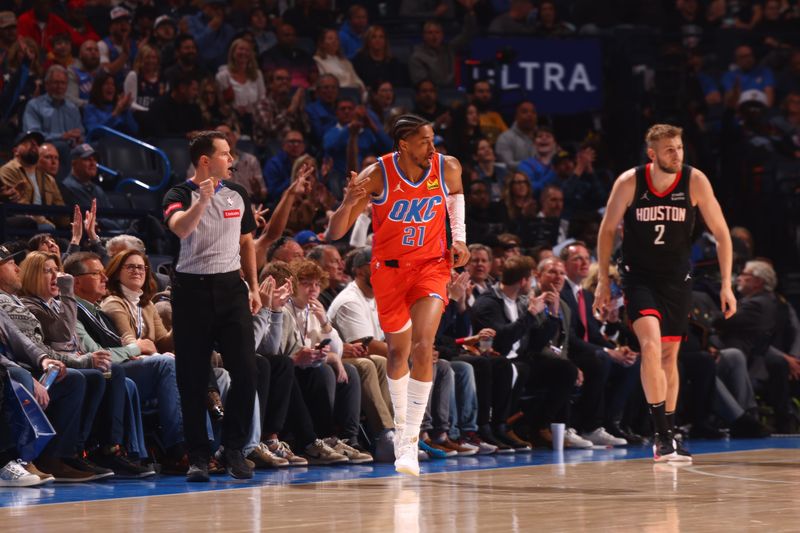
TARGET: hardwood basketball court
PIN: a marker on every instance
(732, 486)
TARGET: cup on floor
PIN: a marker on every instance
(557, 430)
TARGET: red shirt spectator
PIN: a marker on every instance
(28, 26)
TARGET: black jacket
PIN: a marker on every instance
(489, 312)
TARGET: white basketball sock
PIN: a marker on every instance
(398, 390)
(418, 394)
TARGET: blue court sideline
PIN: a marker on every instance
(104, 490)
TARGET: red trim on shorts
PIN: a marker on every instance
(650, 312)
(677, 338)
(650, 182)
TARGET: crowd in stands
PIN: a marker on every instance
(305, 94)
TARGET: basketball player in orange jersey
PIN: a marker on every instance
(656, 203)
(412, 191)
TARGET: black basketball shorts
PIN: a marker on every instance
(667, 299)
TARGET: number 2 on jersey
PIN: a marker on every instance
(414, 236)
(660, 228)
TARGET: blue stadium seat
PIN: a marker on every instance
(128, 159)
(177, 150)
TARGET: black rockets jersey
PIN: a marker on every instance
(657, 227)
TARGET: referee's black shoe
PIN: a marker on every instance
(235, 464)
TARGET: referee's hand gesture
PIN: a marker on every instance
(206, 191)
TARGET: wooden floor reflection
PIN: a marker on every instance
(741, 491)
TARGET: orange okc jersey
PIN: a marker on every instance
(409, 219)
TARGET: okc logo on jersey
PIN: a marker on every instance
(416, 210)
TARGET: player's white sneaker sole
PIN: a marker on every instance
(407, 461)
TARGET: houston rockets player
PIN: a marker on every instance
(412, 191)
(657, 203)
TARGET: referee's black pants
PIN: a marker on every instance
(213, 312)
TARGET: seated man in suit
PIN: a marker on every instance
(620, 364)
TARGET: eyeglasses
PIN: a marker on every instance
(294, 141)
(99, 273)
(135, 268)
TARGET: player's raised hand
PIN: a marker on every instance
(727, 301)
(302, 184)
(459, 254)
(355, 190)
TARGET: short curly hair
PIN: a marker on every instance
(305, 269)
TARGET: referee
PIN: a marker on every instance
(212, 306)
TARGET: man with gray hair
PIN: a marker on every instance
(55, 117)
(120, 243)
(751, 330)
(51, 114)
(328, 257)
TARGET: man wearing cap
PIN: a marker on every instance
(82, 73)
(118, 50)
(165, 30)
(58, 119)
(307, 239)
(212, 33)
(22, 182)
(79, 185)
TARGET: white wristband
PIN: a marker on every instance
(455, 211)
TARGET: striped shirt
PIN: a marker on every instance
(213, 247)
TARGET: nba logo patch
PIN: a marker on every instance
(432, 184)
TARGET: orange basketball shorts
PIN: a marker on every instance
(399, 284)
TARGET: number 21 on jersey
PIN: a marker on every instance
(414, 236)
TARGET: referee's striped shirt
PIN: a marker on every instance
(213, 247)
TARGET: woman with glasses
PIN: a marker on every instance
(48, 295)
(130, 288)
